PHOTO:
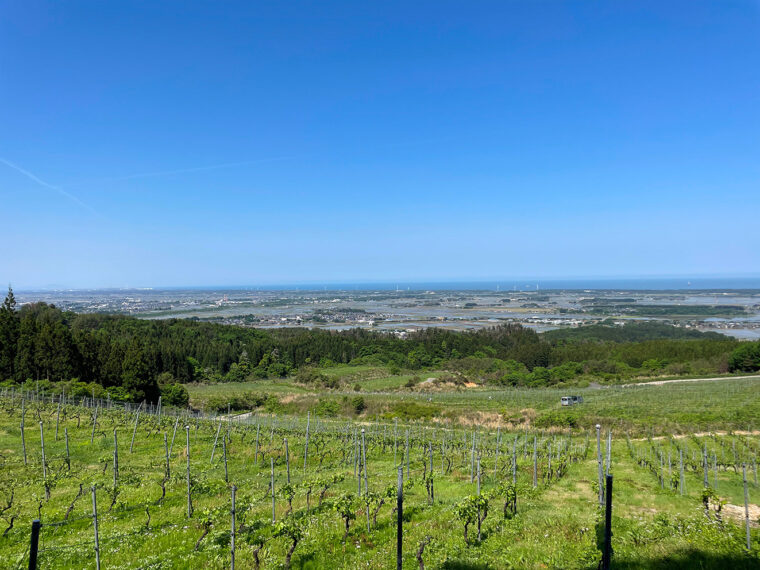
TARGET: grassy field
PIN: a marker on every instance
(558, 522)
(730, 403)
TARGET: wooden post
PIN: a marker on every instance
(271, 459)
(44, 463)
(498, 442)
(407, 452)
(224, 449)
(472, 459)
(364, 461)
(174, 433)
(33, 547)
(256, 457)
(216, 438)
(366, 484)
(600, 467)
(432, 491)
(95, 528)
(395, 440)
(68, 459)
(535, 463)
(607, 552)
(306, 444)
(287, 459)
(681, 480)
(746, 503)
(189, 498)
(57, 420)
(134, 431)
(514, 462)
(159, 411)
(715, 471)
(23, 438)
(115, 460)
(232, 530)
(166, 454)
(94, 423)
(399, 516)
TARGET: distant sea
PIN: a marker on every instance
(627, 284)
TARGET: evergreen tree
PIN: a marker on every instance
(136, 377)
(9, 332)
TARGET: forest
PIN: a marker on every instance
(135, 359)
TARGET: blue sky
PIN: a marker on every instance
(192, 143)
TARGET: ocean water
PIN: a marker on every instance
(627, 284)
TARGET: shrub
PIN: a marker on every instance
(358, 404)
(413, 411)
(175, 395)
(745, 358)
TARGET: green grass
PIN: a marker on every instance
(557, 525)
(731, 403)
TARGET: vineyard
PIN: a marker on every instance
(127, 486)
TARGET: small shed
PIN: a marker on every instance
(571, 400)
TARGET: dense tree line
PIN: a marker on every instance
(135, 358)
(40, 341)
(631, 331)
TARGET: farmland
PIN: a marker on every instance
(334, 498)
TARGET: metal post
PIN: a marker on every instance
(399, 516)
(35, 544)
(271, 459)
(609, 452)
(607, 554)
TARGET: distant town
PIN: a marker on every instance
(732, 312)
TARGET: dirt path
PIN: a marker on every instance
(698, 434)
(661, 382)
(736, 512)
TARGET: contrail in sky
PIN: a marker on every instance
(244, 163)
(48, 185)
(183, 170)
